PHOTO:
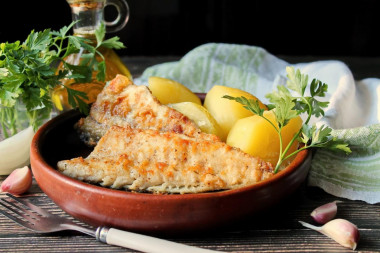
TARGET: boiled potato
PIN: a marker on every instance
(199, 115)
(226, 112)
(168, 91)
(255, 136)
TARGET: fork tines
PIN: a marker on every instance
(31, 206)
(21, 211)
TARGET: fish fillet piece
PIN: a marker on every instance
(123, 103)
(165, 162)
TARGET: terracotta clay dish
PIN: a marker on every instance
(145, 212)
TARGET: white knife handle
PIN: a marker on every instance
(144, 243)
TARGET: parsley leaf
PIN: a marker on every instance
(113, 43)
(76, 99)
(321, 138)
(296, 80)
(100, 33)
(282, 105)
(249, 104)
(101, 71)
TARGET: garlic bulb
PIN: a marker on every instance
(18, 182)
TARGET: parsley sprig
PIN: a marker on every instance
(286, 106)
(29, 71)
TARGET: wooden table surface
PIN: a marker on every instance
(276, 230)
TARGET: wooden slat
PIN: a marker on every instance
(277, 230)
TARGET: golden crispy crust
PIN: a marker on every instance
(122, 103)
(165, 162)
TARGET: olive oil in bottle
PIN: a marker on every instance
(88, 15)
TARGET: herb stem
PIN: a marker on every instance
(278, 165)
(32, 118)
(101, 55)
(292, 141)
(60, 48)
(57, 46)
(13, 116)
(297, 151)
(273, 125)
(310, 110)
(3, 126)
(8, 121)
(282, 154)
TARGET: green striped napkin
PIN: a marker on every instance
(353, 112)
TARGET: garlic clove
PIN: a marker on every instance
(342, 231)
(18, 182)
(325, 212)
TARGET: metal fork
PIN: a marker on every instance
(39, 220)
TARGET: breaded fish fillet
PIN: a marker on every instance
(165, 162)
(122, 103)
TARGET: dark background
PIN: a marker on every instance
(173, 27)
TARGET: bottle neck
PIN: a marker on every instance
(88, 15)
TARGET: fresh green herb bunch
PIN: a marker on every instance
(28, 73)
(285, 106)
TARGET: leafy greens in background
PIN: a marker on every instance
(28, 73)
(286, 106)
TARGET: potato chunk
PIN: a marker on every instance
(168, 91)
(256, 136)
(227, 112)
(200, 116)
